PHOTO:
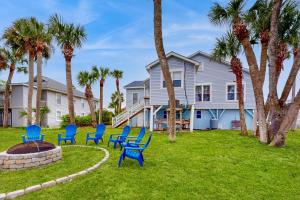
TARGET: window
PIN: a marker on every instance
(203, 92)
(58, 115)
(176, 77)
(135, 98)
(58, 98)
(231, 92)
(177, 115)
(198, 114)
(82, 103)
(165, 114)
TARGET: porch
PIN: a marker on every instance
(159, 116)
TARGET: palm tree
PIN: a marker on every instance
(259, 19)
(114, 104)
(12, 58)
(228, 46)
(19, 36)
(118, 74)
(102, 74)
(86, 79)
(233, 14)
(42, 42)
(164, 67)
(69, 37)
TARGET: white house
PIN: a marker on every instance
(54, 96)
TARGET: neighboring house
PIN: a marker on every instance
(205, 91)
(54, 96)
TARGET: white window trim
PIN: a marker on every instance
(235, 91)
(200, 114)
(201, 84)
(58, 119)
(171, 71)
(138, 97)
(56, 97)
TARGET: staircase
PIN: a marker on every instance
(127, 114)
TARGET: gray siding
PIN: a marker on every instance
(129, 95)
(19, 103)
(218, 75)
(159, 95)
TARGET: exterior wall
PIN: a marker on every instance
(218, 75)
(81, 107)
(158, 95)
(138, 120)
(129, 95)
(19, 103)
(224, 121)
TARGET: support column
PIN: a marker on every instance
(192, 118)
(145, 117)
(151, 118)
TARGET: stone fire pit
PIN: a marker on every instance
(27, 155)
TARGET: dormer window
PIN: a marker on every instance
(177, 77)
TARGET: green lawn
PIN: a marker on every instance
(200, 165)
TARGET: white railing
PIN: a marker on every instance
(127, 114)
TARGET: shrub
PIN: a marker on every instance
(87, 120)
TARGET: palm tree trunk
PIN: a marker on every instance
(291, 79)
(164, 67)
(257, 88)
(70, 91)
(30, 87)
(7, 94)
(89, 98)
(39, 88)
(290, 116)
(101, 100)
(119, 99)
(263, 62)
(275, 112)
(240, 93)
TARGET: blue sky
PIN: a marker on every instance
(120, 34)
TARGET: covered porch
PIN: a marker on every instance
(159, 116)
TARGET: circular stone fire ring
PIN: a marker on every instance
(28, 155)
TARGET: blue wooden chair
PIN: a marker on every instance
(135, 153)
(119, 138)
(33, 133)
(69, 135)
(133, 141)
(100, 129)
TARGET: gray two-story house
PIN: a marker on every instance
(205, 92)
(54, 96)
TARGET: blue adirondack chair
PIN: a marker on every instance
(100, 129)
(119, 138)
(135, 153)
(33, 133)
(133, 141)
(69, 135)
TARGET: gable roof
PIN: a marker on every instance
(210, 57)
(53, 85)
(172, 53)
(135, 84)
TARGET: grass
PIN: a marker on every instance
(200, 165)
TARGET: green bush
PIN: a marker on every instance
(106, 117)
(87, 120)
